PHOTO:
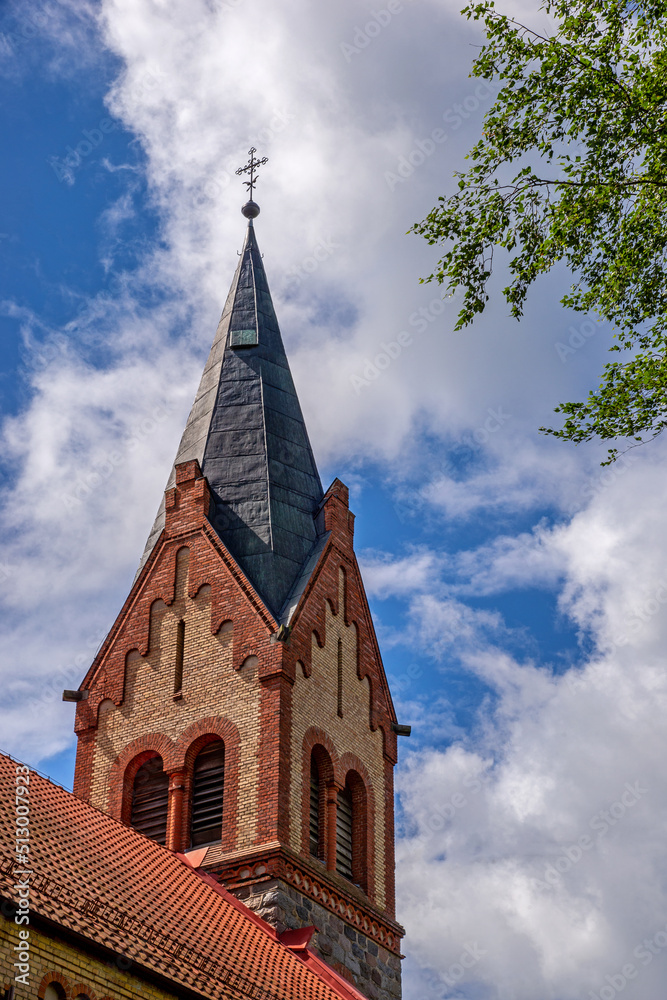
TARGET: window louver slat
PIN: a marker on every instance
(150, 797)
(314, 810)
(344, 834)
(207, 794)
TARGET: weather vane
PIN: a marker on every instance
(251, 208)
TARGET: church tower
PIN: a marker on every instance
(238, 711)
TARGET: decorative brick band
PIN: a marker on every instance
(317, 886)
(344, 908)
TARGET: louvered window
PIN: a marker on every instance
(344, 833)
(314, 809)
(150, 797)
(207, 794)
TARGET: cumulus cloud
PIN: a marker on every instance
(343, 274)
(534, 838)
(382, 379)
(385, 576)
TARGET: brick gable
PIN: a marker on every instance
(272, 690)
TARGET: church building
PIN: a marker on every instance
(236, 733)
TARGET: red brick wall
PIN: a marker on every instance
(251, 686)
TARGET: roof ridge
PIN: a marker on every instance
(42, 774)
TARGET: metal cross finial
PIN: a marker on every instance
(250, 167)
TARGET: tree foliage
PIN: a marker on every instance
(572, 167)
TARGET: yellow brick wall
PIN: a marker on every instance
(211, 687)
(315, 703)
(50, 954)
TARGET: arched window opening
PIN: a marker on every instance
(315, 792)
(344, 825)
(54, 991)
(150, 798)
(208, 787)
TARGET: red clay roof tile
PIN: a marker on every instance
(116, 887)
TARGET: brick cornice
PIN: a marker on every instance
(314, 881)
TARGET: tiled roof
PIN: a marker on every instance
(248, 434)
(97, 877)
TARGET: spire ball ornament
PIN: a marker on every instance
(251, 208)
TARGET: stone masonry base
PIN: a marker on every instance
(372, 969)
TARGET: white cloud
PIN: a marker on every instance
(529, 559)
(385, 577)
(200, 82)
(493, 850)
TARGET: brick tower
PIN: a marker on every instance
(238, 711)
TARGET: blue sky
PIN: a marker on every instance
(518, 589)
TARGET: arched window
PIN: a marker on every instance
(318, 776)
(54, 991)
(150, 798)
(315, 795)
(344, 830)
(352, 831)
(208, 785)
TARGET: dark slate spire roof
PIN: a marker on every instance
(247, 432)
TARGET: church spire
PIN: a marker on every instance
(265, 752)
(248, 434)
